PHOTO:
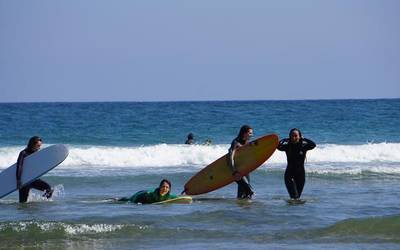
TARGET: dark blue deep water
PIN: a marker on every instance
(148, 123)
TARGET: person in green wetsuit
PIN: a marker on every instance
(161, 193)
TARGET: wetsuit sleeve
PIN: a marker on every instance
(140, 197)
(283, 144)
(308, 144)
(135, 197)
(20, 165)
(231, 155)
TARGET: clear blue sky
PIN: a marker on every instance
(198, 50)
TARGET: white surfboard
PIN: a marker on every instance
(35, 165)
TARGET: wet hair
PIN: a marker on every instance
(167, 181)
(162, 182)
(291, 132)
(243, 130)
(294, 129)
(190, 136)
(32, 141)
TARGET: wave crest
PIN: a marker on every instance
(327, 157)
(66, 228)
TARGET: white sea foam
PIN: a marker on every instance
(71, 229)
(353, 169)
(376, 156)
(183, 155)
(35, 196)
(95, 228)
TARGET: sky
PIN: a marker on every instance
(127, 50)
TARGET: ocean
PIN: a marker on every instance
(117, 148)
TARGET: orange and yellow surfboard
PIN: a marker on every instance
(219, 174)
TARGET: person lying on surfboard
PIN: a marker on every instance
(245, 190)
(161, 193)
(34, 145)
(295, 147)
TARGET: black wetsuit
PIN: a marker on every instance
(295, 173)
(36, 184)
(245, 190)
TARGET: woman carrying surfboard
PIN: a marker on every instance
(296, 148)
(245, 190)
(34, 145)
(161, 193)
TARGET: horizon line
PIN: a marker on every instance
(227, 100)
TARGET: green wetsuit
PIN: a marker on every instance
(148, 197)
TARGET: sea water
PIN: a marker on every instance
(352, 189)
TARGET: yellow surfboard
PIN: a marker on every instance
(219, 174)
(184, 199)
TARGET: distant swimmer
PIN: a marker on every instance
(161, 193)
(34, 145)
(208, 142)
(190, 139)
(296, 148)
(245, 190)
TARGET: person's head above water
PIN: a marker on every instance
(165, 187)
(295, 135)
(190, 139)
(245, 132)
(34, 144)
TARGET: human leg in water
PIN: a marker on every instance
(24, 193)
(42, 186)
(37, 184)
(291, 185)
(299, 180)
(245, 191)
(294, 182)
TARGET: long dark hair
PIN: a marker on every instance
(32, 141)
(293, 130)
(162, 182)
(243, 130)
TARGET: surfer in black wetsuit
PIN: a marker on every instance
(34, 145)
(190, 139)
(245, 190)
(296, 148)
